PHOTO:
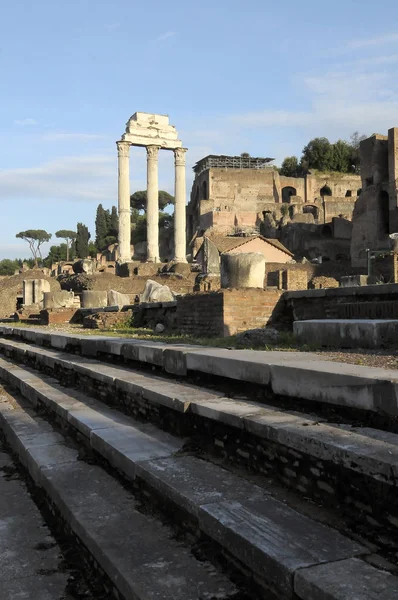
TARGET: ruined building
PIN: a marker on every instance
(242, 195)
(376, 210)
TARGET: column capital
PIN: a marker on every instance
(179, 156)
(123, 148)
(152, 152)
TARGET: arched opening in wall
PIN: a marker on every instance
(348, 194)
(310, 209)
(190, 227)
(383, 211)
(204, 191)
(327, 231)
(287, 192)
(325, 191)
(359, 192)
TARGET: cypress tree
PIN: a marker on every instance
(101, 228)
(82, 238)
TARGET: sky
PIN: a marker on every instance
(259, 77)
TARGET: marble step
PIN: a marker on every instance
(365, 451)
(137, 552)
(290, 374)
(272, 540)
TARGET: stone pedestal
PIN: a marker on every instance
(179, 206)
(152, 209)
(242, 270)
(124, 200)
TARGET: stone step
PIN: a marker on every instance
(355, 468)
(137, 553)
(270, 539)
(290, 374)
(362, 450)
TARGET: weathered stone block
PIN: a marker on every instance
(242, 270)
(62, 299)
(155, 292)
(94, 299)
(117, 299)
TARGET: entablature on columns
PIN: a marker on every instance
(146, 129)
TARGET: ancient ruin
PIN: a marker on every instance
(239, 195)
(376, 211)
(154, 133)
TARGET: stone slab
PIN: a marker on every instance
(137, 552)
(124, 447)
(274, 540)
(190, 482)
(350, 579)
(347, 333)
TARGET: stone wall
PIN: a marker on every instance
(227, 312)
(11, 289)
(200, 314)
(367, 302)
(127, 285)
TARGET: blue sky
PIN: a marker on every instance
(260, 77)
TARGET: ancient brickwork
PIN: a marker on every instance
(227, 312)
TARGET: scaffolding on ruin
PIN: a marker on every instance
(231, 162)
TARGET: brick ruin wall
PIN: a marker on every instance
(227, 312)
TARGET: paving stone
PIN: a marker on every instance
(123, 447)
(35, 587)
(350, 579)
(274, 540)
(135, 550)
(190, 482)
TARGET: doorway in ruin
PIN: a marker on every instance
(287, 192)
(383, 212)
(312, 210)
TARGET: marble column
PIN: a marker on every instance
(123, 149)
(180, 206)
(152, 208)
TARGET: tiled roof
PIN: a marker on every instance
(226, 243)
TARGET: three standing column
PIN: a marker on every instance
(152, 209)
(179, 206)
(123, 150)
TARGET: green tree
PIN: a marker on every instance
(81, 242)
(69, 236)
(138, 200)
(290, 167)
(114, 223)
(8, 267)
(101, 228)
(35, 239)
(341, 160)
(318, 154)
(355, 140)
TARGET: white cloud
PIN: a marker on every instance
(64, 136)
(25, 122)
(349, 97)
(75, 178)
(388, 38)
(165, 36)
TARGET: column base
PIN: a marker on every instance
(179, 260)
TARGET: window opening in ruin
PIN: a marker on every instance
(383, 211)
(327, 231)
(204, 191)
(348, 194)
(325, 191)
(287, 192)
(310, 209)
